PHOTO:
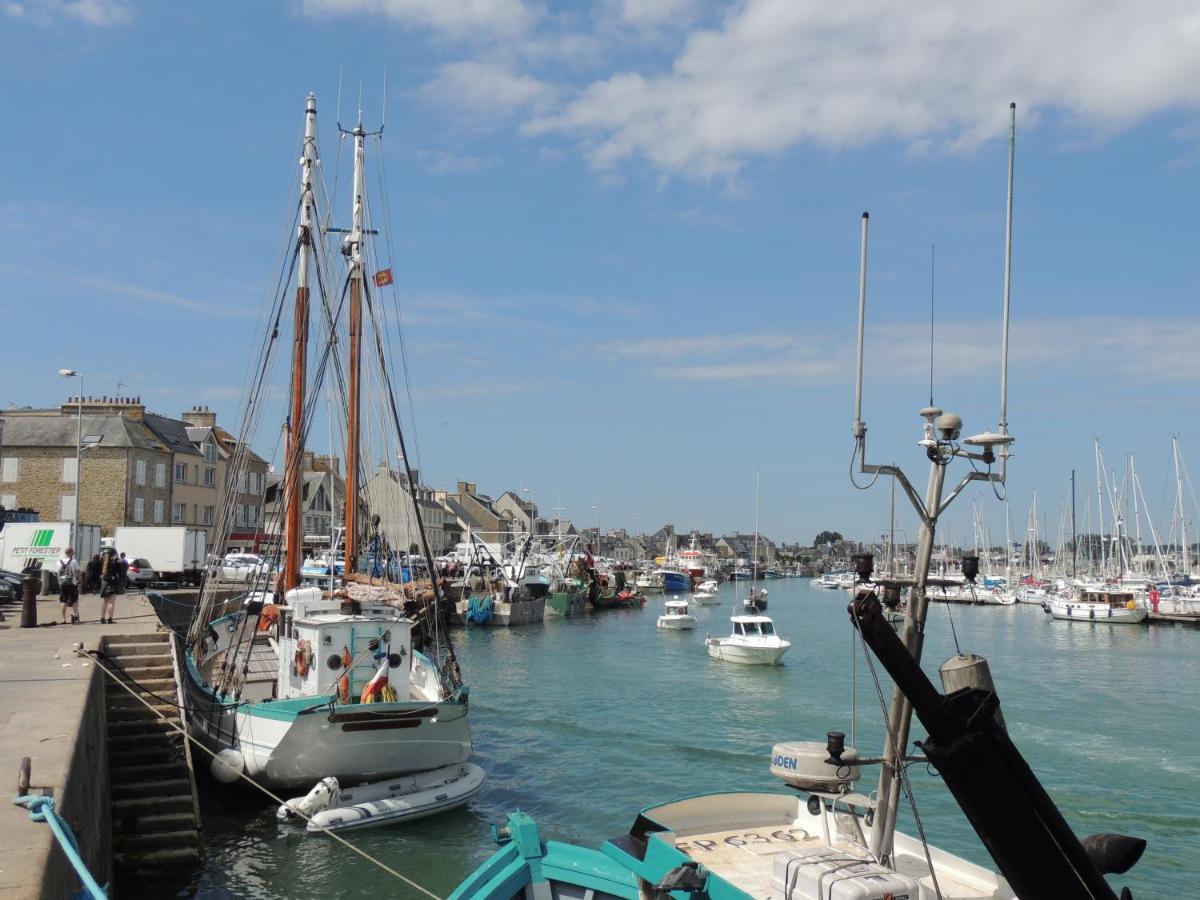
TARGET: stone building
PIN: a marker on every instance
(124, 464)
(388, 497)
(322, 497)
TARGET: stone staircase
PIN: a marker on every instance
(155, 814)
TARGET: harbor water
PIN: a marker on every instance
(581, 722)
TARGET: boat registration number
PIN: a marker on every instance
(749, 838)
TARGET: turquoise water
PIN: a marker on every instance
(581, 722)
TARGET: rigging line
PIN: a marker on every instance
(381, 176)
(337, 837)
(870, 484)
(438, 598)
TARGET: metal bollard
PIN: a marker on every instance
(30, 583)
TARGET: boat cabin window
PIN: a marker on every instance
(751, 628)
(768, 628)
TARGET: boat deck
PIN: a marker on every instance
(741, 844)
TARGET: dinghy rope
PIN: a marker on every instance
(41, 809)
(337, 837)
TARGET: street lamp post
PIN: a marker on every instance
(71, 373)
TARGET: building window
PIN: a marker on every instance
(253, 510)
(160, 475)
(208, 514)
(241, 515)
(139, 474)
(10, 469)
(66, 507)
(158, 512)
(210, 453)
(8, 501)
(210, 477)
(252, 481)
(181, 473)
(178, 511)
(69, 469)
(139, 509)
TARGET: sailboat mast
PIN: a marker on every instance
(754, 570)
(354, 247)
(293, 469)
(1187, 566)
(1074, 536)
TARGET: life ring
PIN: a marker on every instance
(269, 617)
(303, 658)
(344, 681)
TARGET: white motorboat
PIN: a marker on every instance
(710, 586)
(1098, 604)
(677, 616)
(648, 583)
(707, 594)
(329, 808)
(752, 641)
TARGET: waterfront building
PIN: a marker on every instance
(387, 493)
(322, 497)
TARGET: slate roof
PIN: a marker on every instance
(173, 433)
(61, 431)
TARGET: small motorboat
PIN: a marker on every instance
(677, 616)
(753, 641)
(329, 808)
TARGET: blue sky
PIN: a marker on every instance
(626, 233)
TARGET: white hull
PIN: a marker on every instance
(401, 800)
(703, 599)
(1071, 611)
(676, 623)
(729, 650)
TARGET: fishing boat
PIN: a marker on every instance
(676, 616)
(751, 641)
(301, 682)
(648, 583)
(1098, 603)
(674, 580)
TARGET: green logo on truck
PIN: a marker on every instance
(42, 537)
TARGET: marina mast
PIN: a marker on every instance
(353, 250)
(293, 467)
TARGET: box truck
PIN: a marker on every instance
(45, 542)
(175, 553)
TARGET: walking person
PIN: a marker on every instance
(68, 586)
(112, 582)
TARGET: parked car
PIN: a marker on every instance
(241, 567)
(140, 573)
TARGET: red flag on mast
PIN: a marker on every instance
(383, 278)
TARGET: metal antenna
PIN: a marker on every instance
(860, 429)
(932, 269)
(339, 103)
(1012, 150)
(383, 113)
(360, 101)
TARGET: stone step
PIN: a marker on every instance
(153, 822)
(150, 637)
(138, 651)
(143, 727)
(159, 840)
(155, 684)
(157, 859)
(166, 787)
(134, 709)
(144, 751)
(141, 773)
(146, 806)
(148, 668)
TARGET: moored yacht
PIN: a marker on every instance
(1111, 606)
(752, 640)
(676, 616)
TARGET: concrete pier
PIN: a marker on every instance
(52, 706)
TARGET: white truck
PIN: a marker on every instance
(45, 542)
(175, 552)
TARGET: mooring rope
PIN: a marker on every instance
(341, 840)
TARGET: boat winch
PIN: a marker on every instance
(807, 766)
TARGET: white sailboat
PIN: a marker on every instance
(302, 683)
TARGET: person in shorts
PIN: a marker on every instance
(112, 582)
(68, 586)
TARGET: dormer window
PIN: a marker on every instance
(210, 452)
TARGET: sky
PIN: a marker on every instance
(625, 234)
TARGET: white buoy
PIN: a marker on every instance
(227, 766)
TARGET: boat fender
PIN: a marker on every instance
(344, 681)
(227, 766)
(321, 797)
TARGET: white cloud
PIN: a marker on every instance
(447, 162)
(1110, 348)
(939, 73)
(655, 12)
(485, 88)
(453, 17)
(101, 13)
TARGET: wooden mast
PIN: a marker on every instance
(355, 252)
(294, 457)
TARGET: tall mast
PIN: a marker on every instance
(754, 571)
(1187, 567)
(354, 251)
(1074, 537)
(293, 468)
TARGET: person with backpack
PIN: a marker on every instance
(112, 582)
(68, 586)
